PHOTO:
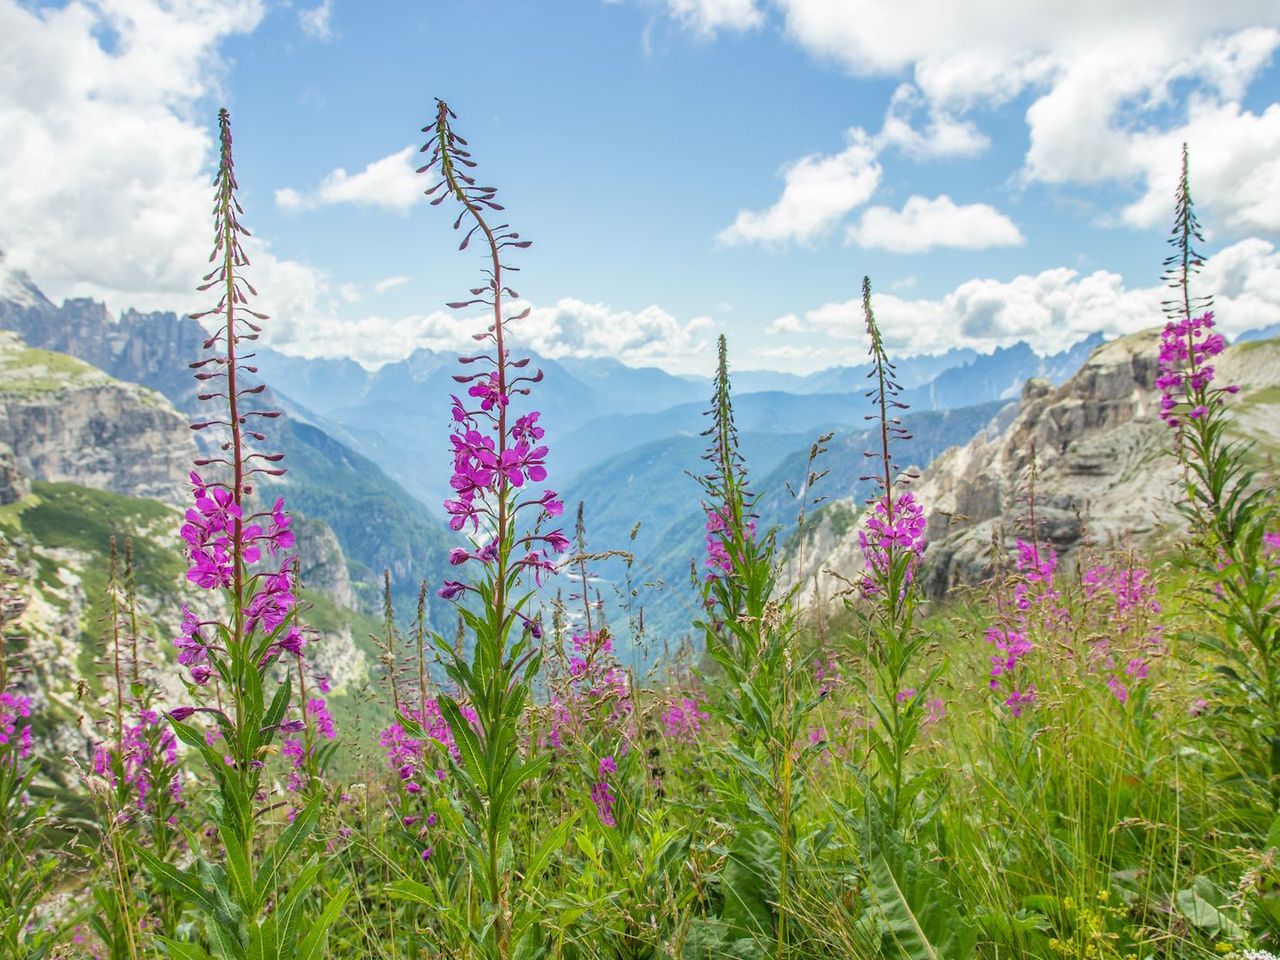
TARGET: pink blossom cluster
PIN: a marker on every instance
(208, 530)
(597, 688)
(210, 526)
(15, 740)
(826, 673)
(481, 470)
(894, 527)
(1186, 346)
(683, 719)
(720, 538)
(602, 794)
(408, 756)
(1037, 604)
(148, 749)
(1130, 595)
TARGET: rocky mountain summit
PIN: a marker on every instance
(1094, 449)
(66, 421)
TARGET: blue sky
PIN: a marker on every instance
(685, 167)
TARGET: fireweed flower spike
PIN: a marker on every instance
(498, 454)
(893, 545)
(749, 627)
(1230, 513)
(237, 552)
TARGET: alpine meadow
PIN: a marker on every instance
(919, 625)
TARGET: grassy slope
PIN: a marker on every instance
(66, 517)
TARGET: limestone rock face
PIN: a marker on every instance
(1102, 464)
(324, 567)
(13, 484)
(64, 420)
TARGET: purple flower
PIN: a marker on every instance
(17, 739)
(318, 712)
(527, 429)
(1185, 375)
(488, 393)
(1019, 700)
(604, 799)
(894, 527)
(683, 720)
(556, 541)
(607, 766)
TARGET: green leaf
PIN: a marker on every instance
(290, 840)
(467, 742)
(412, 890)
(239, 864)
(183, 951)
(179, 882)
(554, 841)
(918, 915)
(279, 704)
(311, 944)
(1196, 905)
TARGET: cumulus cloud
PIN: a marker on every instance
(389, 183)
(315, 21)
(105, 175)
(819, 190)
(1053, 309)
(924, 224)
(1116, 89)
(943, 135)
(706, 17)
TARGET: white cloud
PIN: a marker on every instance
(389, 183)
(705, 17)
(943, 135)
(389, 283)
(567, 328)
(819, 191)
(924, 224)
(315, 21)
(350, 292)
(1053, 309)
(105, 175)
(1116, 88)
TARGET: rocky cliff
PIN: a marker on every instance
(377, 524)
(1102, 467)
(64, 420)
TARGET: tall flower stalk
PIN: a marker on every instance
(893, 544)
(1232, 516)
(750, 632)
(254, 903)
(497, 456)
(26, 868)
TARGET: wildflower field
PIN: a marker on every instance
(1077, 759)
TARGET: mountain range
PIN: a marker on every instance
(366, 449)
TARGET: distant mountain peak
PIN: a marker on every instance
(16, 287)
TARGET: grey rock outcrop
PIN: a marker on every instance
(324, 567)
(65, 420)
(13, 483)
(1102, 464)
